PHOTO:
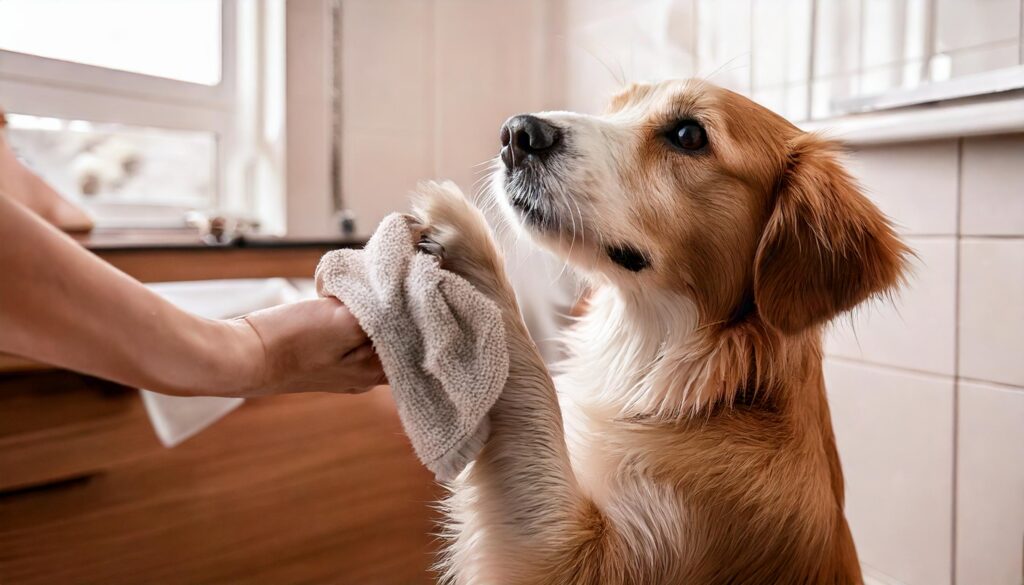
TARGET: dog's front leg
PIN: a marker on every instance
(517, 515)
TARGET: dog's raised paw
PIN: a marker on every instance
(447, 223)
(448, 226)
(421, 236)
(438, 205)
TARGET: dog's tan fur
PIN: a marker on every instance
(696, 445)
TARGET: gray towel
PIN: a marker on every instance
(441, 342)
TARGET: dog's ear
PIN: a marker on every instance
(825, 247)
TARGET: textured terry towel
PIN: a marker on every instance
(441, 342)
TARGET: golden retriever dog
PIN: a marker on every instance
(688, 439)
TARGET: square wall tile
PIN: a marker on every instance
(990, 485)
(992, 310)
(916, 330)
(484, 81)
(894, 431)
(993, 186)
(960, 24)
(386, 65)
(379, 170)
(914, 184)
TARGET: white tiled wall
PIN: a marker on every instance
(897, 175)
(917, 331)
(426, 87)
(927, 393)
(990, 484)
(895, 434)
(993, 208)
(992, 310)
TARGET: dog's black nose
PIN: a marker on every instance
(525, 135)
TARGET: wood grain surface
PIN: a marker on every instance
(289, 489)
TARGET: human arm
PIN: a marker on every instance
(62, 305)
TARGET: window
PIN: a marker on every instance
(819, 59)
(129, 176)
(174, 39)
(142, 110)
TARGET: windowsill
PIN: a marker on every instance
(988, 83)
(986, 103)
(1001, 113)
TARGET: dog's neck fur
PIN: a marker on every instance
(644, 356)
(657, 362)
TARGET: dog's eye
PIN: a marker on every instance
(688, 135)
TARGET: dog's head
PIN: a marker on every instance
(688, 187)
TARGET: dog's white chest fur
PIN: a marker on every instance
(592, 460)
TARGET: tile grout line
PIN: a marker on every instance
(890, 368)
(849, 361)
(960, 236)
(956, 353)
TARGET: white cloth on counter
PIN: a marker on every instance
(176, 418)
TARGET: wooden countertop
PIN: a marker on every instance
(173, 255)
(142, 240)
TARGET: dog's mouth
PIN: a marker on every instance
(536, 194)
(544, 205)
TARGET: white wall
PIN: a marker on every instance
(927, 394)
(426, 87)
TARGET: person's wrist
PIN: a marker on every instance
(240, 368)
(216, 358)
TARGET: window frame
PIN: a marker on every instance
(42, 86)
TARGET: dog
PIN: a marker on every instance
(689, 439)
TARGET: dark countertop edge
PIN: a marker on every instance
(99, 242)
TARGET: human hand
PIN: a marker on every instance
(26, 187)
(309, 346)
